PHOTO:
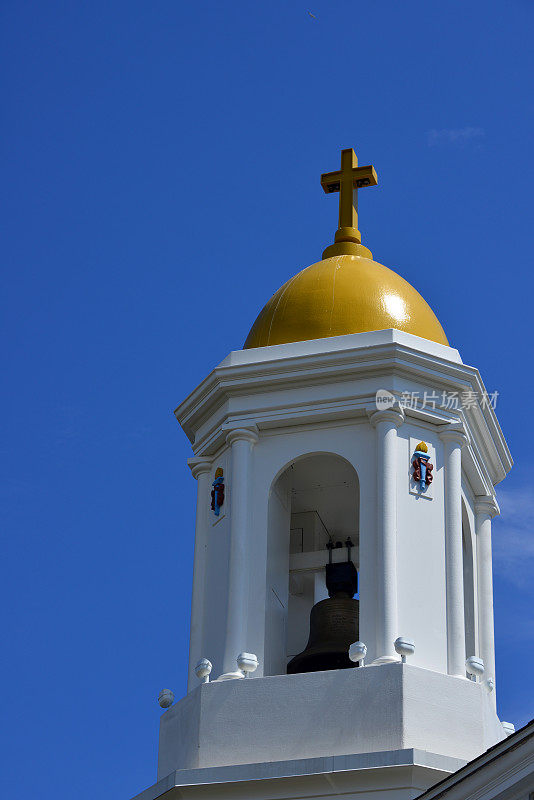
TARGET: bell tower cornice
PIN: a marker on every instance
(273, 378)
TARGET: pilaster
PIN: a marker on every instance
(201, 470)
(454, 437)
(485, 509)
(386, 423)
(241, 441)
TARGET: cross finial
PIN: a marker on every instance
(347, 181)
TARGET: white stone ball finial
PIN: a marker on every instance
(474, 667)
(247, 662)
(357, 652)
(166, 698)
(404, 647)
(203, 670)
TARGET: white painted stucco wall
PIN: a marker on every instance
(318, 412)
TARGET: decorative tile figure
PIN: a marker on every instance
(422, 467)
(217, 493)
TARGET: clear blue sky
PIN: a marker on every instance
(161, 180)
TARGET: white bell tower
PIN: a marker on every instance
(369, 440)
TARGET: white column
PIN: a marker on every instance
(454, 438)
(241, 441)
(201, 469)
(485, 509)
(386, 423)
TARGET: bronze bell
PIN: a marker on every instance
(333, 624)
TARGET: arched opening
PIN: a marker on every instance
(314, 502)
(469, 585)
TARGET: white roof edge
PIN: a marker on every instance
(299, 768)
(331, 344)
(478, 764)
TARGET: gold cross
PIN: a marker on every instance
(347, 181)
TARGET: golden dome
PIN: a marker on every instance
(343, 294)
(346, 292)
